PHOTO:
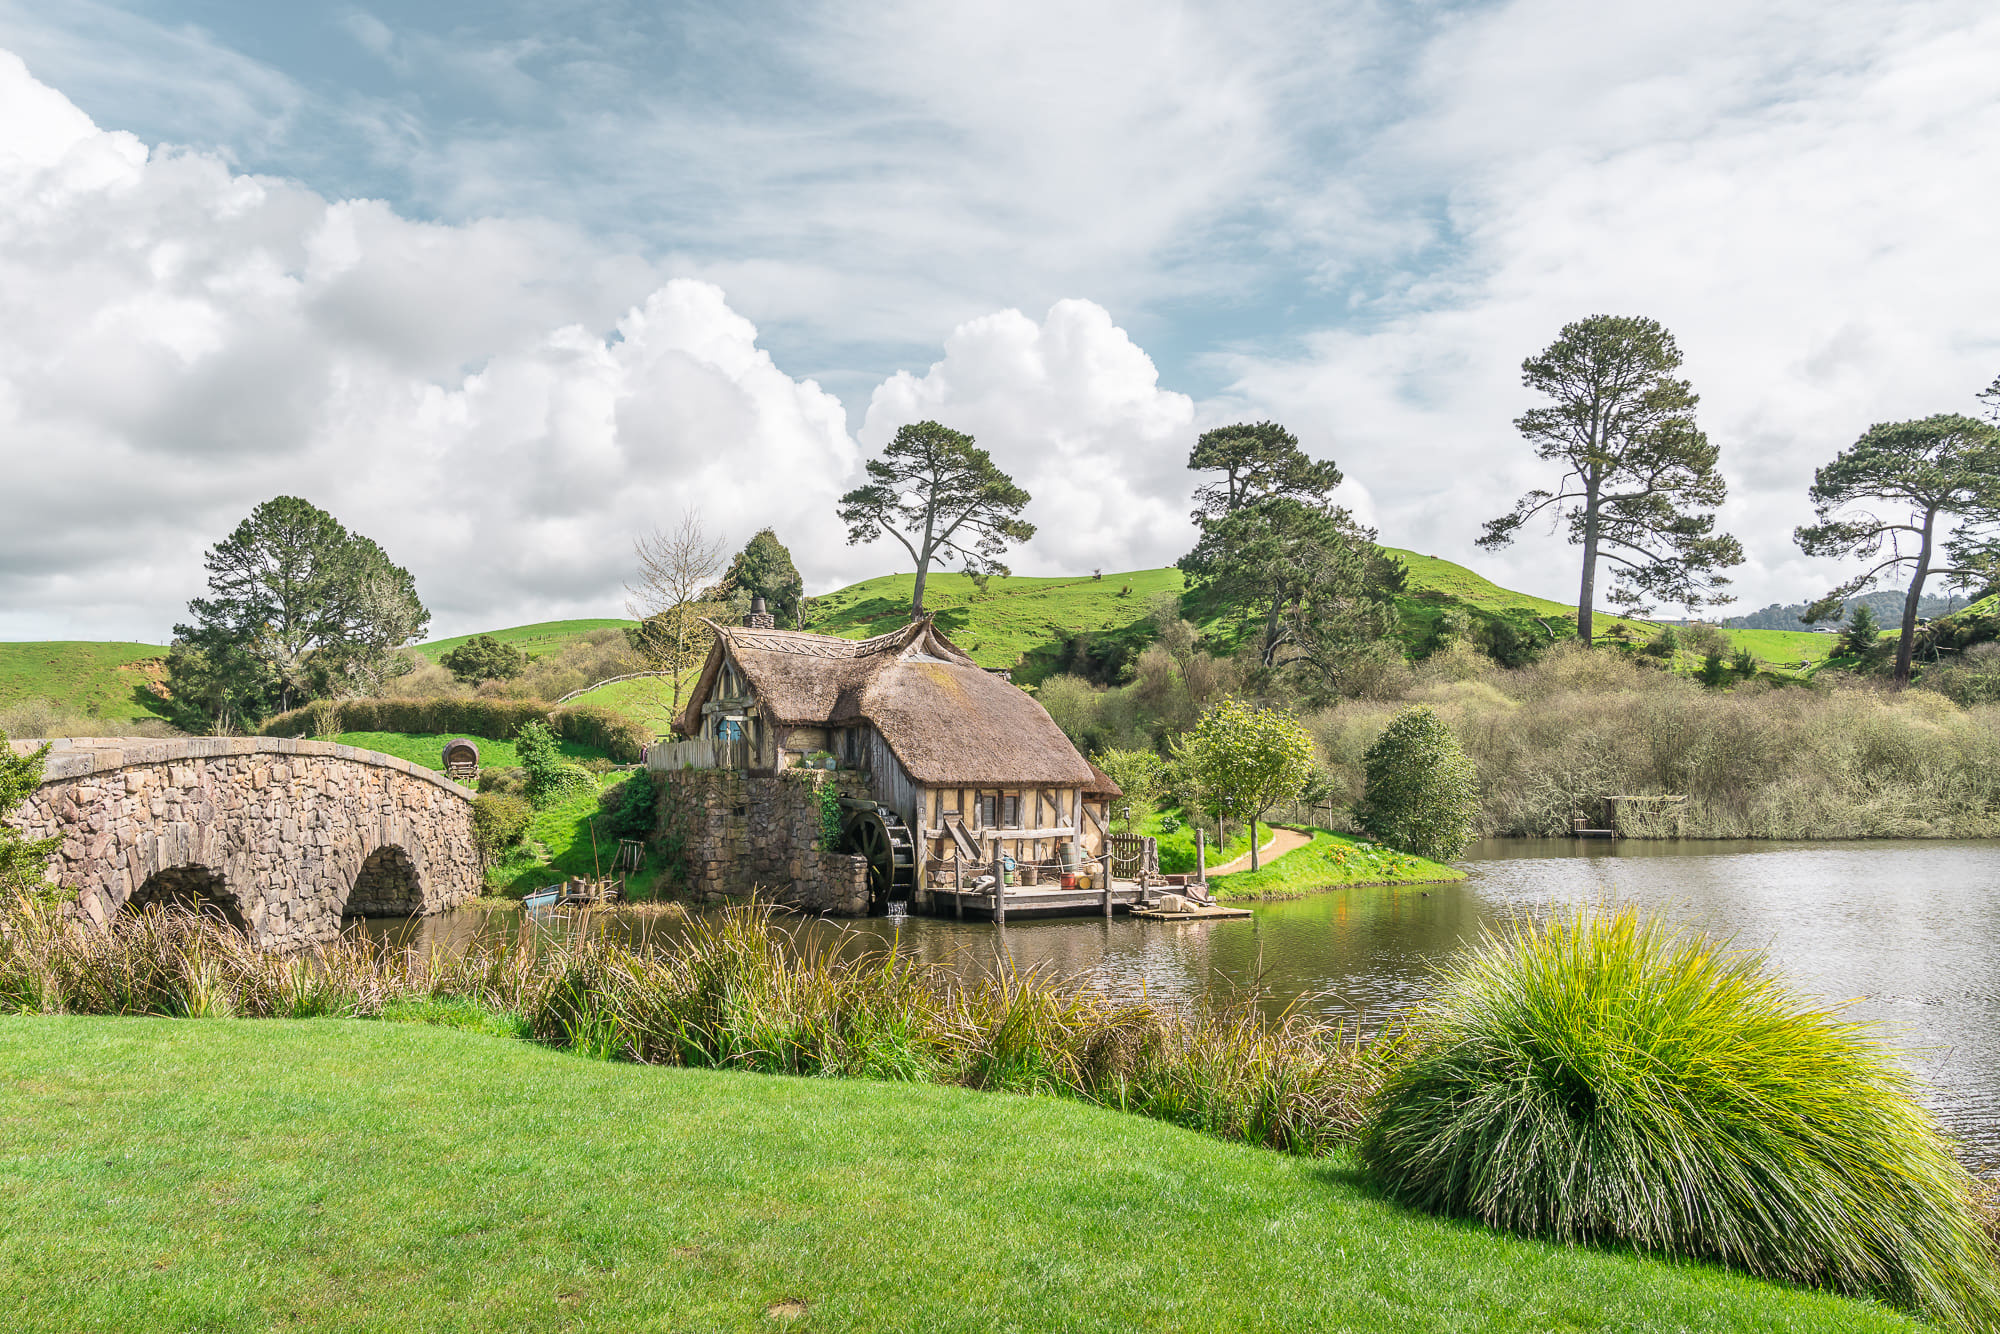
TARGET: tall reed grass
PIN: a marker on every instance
(1608, 1079)
(736, 989)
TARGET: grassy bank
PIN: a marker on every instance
(1331, 861)
(347, 1175)
(427, 748)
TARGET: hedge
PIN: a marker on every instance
(501, 719)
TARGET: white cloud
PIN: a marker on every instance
(178, 343)
(1072, 409)
(1807, 205)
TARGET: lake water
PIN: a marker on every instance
(1909, 932)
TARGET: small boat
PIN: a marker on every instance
(546, 897)
(574, 894)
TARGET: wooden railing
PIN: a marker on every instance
(699, 753)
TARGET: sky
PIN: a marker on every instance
(502, 285)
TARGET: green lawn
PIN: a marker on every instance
(1331, 861)
(541, 637)
(102, 680)
(240, 1175)
(427, 748)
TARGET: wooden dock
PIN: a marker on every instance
(1028, 901)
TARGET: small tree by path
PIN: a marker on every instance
(1947, 466)
(1247, 760)
(1422, 795)
(939, 494)
(676, 567)
(1140, 775)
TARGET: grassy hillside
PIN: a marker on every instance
(1032, 625)
(541, 637)
(98, 679)
(1017, 622)
(342, 1174)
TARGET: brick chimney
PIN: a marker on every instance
(759, 619)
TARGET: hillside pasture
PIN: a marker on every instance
(97, 680)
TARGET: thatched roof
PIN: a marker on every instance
(1101, 785)
(949, 721)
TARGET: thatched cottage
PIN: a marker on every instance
(958, 756)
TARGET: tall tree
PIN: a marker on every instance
(764, 569)
(939, 494)
(1921, 472)
(676, 567)
(1276, 548)
(297, 607)
(1639, 485)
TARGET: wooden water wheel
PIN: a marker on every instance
(879, 834)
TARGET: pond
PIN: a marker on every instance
(1907, 931)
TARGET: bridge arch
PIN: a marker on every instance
(201, 889)
(297, 833)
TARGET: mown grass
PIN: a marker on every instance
(427, 748)
(347, 1176)
(649, 699)
(1331, 861)
(1177, 847)
(99, 680)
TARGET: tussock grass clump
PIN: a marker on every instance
(1609, 1079)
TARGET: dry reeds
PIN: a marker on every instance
(735, 989)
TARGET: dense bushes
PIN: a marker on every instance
(501, 719)
(1422, 794)
(499, 822)
(1607, 1079)
(549, 777)
(1835, 761)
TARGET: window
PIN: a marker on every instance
(1000, 810)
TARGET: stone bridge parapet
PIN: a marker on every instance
(283, 837)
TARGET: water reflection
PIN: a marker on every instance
(1908, 931)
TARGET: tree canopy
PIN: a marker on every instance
(764, 569)
(298, 607)
(1422, 793)
(1917, 472)
(1306, 577)
(1639, 484)
(1245, 760)
(940, 495)
(484, 658)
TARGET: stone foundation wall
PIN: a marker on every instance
(281, 831)
(741, 833)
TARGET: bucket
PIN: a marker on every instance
(1069, 880)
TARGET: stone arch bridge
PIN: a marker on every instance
(284, 838)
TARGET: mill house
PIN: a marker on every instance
(966, 774)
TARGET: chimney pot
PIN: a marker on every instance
(759, 618)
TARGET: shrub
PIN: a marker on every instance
(484, 658)
(501, 719)
(550, 778)
(1422, 793)
(498, 822)
(631, 804)
(1607, 1079)
(618, 736)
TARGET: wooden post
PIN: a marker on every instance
(958, 880)
(1200, 855)
(999, 885)
(1107, 880)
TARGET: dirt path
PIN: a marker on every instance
(1282, 841)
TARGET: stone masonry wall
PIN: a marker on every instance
(740, 833)
(287, 826)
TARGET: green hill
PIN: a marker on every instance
(100, 680)
(541, 637)
(1035, 626)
